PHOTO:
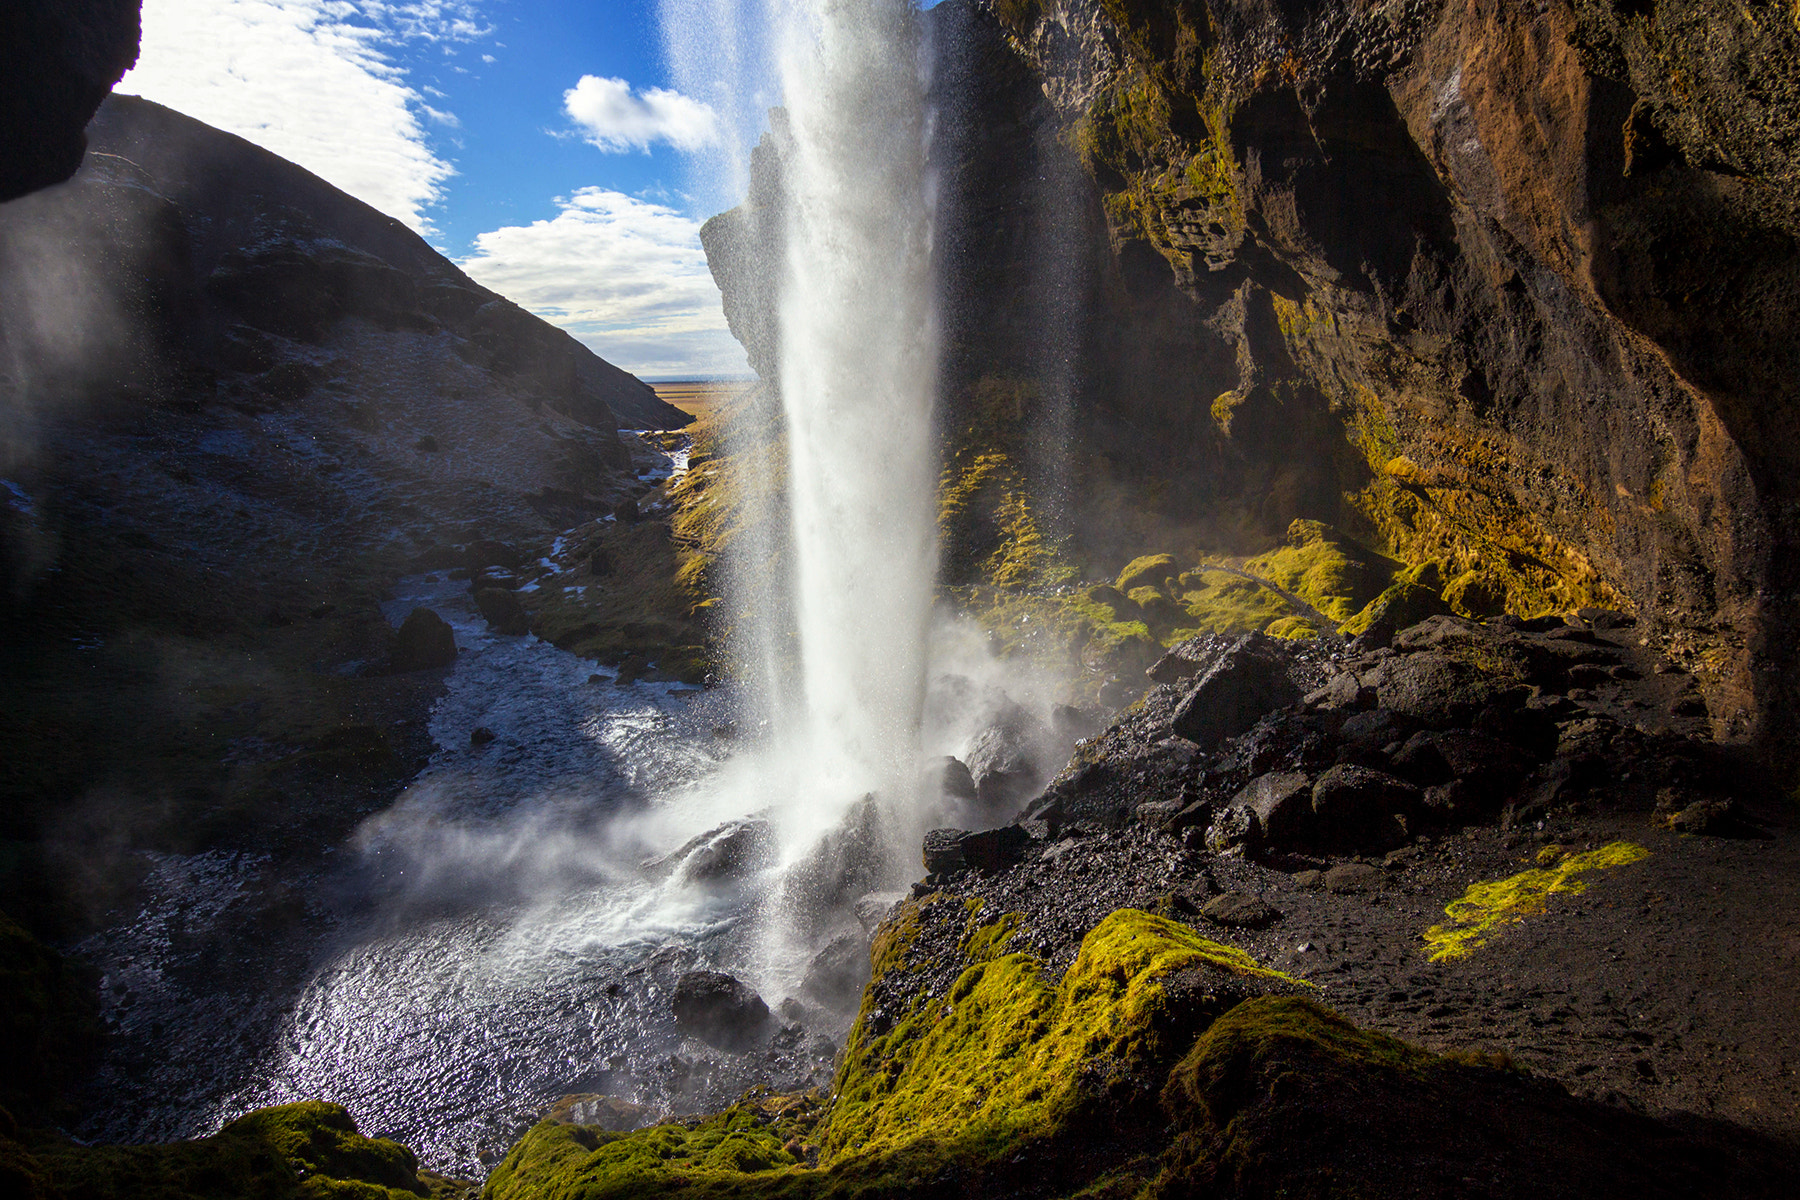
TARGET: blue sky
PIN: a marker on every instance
(545, 145)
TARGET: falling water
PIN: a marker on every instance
(857, 368)
(856, 362)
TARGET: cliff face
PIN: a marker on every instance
(1507, 289)
(235, 405)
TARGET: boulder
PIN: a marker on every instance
(503, 611)
(1353, 877)
(1436, 689)
(835, 977)
(734, 850)
(425, 641)
(484, 553)
(1006, 762)
(942, 852)
(1249, 680)
(1239, 910)
(1360, 808)
(720, 1010)
(994, 849)
(947, 851)
(1281, 802)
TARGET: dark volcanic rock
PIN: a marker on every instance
(1357, 808)
(425, 640)
(1006, 762)
(1247, 681)
(735, 850)
(1239, 910)
(503, 611)
(57, 63)
(717, 1008)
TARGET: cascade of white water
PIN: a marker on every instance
(858, 366)
(856, 363)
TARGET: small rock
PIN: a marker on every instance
(872, 909)
(1307, 879)
(626, 512)
(1353, 877)
(1239, 910)
(481, 735)
(949, 779)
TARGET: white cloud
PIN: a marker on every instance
(615, 120)
(625, 276)
(313, 81)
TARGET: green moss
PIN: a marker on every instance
(1321, 566)
(1487, 906)
(309, 1151)
(721, 1154)
(996, 1060)
(1151, 570)
(1400, 605)
(1004, 1064)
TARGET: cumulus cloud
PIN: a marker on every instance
(311, 80)
(624, 275)
(614, 119)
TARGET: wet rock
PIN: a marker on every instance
(942, 852)
(479, 555)
(1281, 802)
(503, 611)
(872, 909)
(720, 1010)
(1353, 877)
(1006, 761)
(481, 735)
(1360, 808)
(845, 863)
(626, 512)
(1343, 690)
(835, 977)
(425, 641)
(1070, 724)
(1249, 680)
(733, 851)
(948, 779)
(1239, 910)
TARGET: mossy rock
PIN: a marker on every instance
(1399, 606)
(1473, 594)
(1150, 570)
(307, 1151)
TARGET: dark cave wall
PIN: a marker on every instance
(1533, 265)
(57, 62)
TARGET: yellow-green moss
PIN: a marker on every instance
(1487, 906)
(1150, 570)
(997, 1059)
(309, 1151)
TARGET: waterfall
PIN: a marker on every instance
(858, 366)
(854, 351)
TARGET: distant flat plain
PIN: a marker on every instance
(700, 396)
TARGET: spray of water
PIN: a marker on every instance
(856, 362)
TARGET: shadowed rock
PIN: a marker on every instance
(425, 641)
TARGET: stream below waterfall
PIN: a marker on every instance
(480, 948)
